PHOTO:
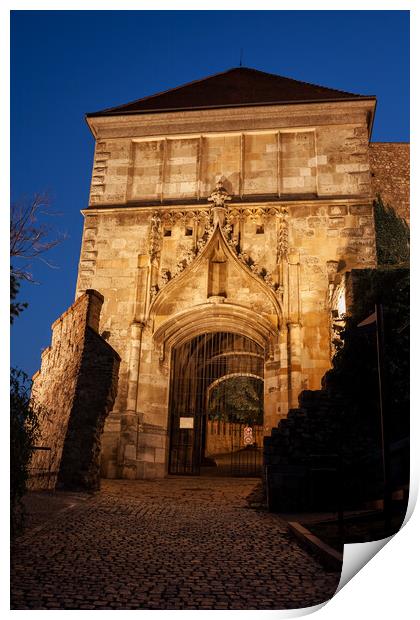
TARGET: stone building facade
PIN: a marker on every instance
(233, 204)
(223, 216)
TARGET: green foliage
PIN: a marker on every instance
(24, 432)
(392, 236)
(237, 399)
(30, 238)
(16, 307)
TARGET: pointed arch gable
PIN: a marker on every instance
(199, 266)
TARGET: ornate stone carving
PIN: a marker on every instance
(187, 257)
(153, 292)
(259, 271)
(205, 221)
(255, 214)
(165, 276)
(332, 266)
(155, 238)
(282, 235)
(172, 217)
(268, 278)
(219, 195)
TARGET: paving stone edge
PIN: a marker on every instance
(328, 556)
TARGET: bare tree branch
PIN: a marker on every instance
(30, 237)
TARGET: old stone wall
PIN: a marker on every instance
(298, 215)
(141, 267)
(322, 162)
(76, 387)
(118, 265)
(112, 245)
(390, 174)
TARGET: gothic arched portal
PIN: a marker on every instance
(216, 405)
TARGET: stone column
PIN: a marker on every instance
(295, 363)
(133, 366)
(127, 449)
(282, 233)
(294, 330)
(284, 375)
(142, 289)
(272, 385)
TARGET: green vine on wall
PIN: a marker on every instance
(392, 236)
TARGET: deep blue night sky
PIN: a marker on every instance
(67, 63)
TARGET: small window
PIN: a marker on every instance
(188, 231)
(167, 232)
(260, 229)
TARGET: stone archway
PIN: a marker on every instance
(211, 318)
(212, 401)
(144, 436)
(215, 291)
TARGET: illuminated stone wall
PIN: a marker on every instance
(390, 172)
(75, 387)
(283, 163)
(297, 218)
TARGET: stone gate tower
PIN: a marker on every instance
(230, 205)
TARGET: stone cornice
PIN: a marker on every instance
(233, 119)
(131, 208)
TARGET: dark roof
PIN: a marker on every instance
(235, 87)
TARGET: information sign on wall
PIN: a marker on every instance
(186, 422)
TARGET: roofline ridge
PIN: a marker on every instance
(286, 77)
(162, 92)
(336, 90)
(187, 84)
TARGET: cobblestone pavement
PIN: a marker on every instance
(178, 543)
(41, 507)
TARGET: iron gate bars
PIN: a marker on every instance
(215, 376)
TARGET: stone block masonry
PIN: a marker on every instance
(296, 178)
(76, 388)
(390, 174)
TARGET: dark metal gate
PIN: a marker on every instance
(247, 450)
(216, 393)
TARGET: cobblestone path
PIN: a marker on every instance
(178, 543)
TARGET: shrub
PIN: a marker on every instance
(24, 432)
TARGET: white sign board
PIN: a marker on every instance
(186, 422)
